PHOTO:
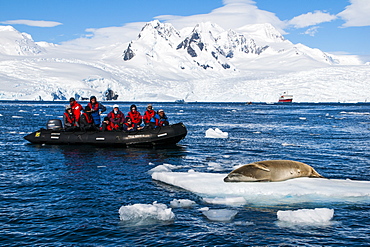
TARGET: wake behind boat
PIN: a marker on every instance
(148, 137)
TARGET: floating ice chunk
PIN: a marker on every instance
(162, 168)
(17, 117)
(303, 118)
(221, 215)
(317, 215)
(287, 144)
(181, 203)
(216, 133)
(146, 214)
(233, 201)
(214, 166)
(244, 223)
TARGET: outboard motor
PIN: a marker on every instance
(54, 124)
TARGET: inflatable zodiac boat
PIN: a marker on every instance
(161, 136)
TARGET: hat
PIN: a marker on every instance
(68, 107)
(115, 106)
(72, 99)
(92, 97)
(160, 111)
(106, 118)
(149, 105)
(128, 118)
(133, 106)
(87, 108)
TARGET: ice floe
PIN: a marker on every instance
(216, 133)
(145, 214)
(221, 215)
(317, 215)
(211, 185)
(182, 203)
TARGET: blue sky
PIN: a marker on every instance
(330, 25)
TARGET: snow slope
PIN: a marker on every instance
(201, 63)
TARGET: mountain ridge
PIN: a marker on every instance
(202, 63)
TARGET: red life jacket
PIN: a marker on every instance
(148, 115)
(88, 118)
(70, 118)
(94, 107)
(135, 117)
(116, 117)
(111, 126)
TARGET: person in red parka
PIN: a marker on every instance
(134, 115)
(76, 110)
(116, 117)
(149, 113)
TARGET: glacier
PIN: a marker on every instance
(204, 63)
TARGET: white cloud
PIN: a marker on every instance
(107, 36)
(234, 14)
(32, 23)
(311, 31)
(357, 14)
(310, 19)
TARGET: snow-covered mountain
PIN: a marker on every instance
(201, 63)
(210, 47)
(13, 42)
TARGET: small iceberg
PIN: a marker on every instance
(216, 133)
(163, 168)
(317, 215)
(145, 214)
(220, 215)
(182, 203)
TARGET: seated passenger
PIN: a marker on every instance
(134, 115)
(76, 109)
(129, 126)
(116, 117)
(107, 125)
(69, 119)
(149, 113)
(160, 119)
(86, 120)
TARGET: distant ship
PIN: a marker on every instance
(286, 98)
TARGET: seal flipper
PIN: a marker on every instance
(261, 166)
(315, 174)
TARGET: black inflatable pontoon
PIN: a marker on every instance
(161, 136)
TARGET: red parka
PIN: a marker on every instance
(148, 115)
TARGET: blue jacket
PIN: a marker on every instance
(158, 121)
(95, 111)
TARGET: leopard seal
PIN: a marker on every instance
(271, 171)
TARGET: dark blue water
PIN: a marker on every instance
(70, 195)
